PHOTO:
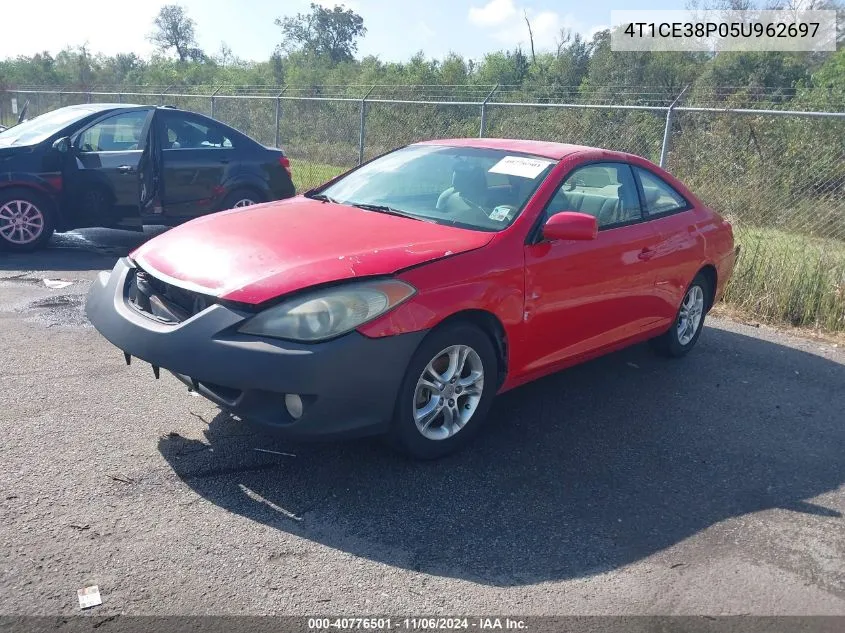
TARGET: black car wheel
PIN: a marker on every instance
(446, 393)
(26, 220)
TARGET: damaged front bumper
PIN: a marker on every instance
(347, 386)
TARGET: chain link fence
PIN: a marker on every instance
(780, 179)
(778, 175)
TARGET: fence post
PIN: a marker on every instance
(482, 130)
(161, 96)
(279, 116)
(361, 128)
(667, 132)
(213, 94)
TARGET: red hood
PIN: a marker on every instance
(259, 253)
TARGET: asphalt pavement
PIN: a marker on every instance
(714, 484)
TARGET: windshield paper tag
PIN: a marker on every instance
(500, 213)
(520, 166)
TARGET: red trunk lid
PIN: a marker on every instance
(259, 253)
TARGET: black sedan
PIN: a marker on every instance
(124, 166)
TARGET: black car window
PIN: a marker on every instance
(606, 191)
(118, 133)
(184, 132)
(659, 196)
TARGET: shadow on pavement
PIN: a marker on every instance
(585, 471)
(83, 249)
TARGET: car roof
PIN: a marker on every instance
(102, 107)
(546, 149)
(97, 107)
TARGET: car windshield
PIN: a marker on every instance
(481, 189)
(41, 127)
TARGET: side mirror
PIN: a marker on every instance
(62, 145)
(571, 225)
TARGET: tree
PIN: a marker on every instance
(826, 90)
(226, 57)
(721, 5)
(121, 67)
(530, 37)
(278, 68)
(174, 29)
(571, 61)
(453, 70)
(77, 64)
(330, 33)
(506, 68)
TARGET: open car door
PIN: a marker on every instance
(101, 169)
(149, 178)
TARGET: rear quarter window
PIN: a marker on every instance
(659, 196)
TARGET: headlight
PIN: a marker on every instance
(323, 314)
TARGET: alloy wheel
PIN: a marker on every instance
(21, 222)
(689, 319)
(448, 392)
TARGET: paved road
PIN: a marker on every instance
(631, 484)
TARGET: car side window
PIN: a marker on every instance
(118, 133)
(606, 191)
(658, 195)
(182, 132)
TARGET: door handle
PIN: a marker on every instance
(126, 169)
(646, 254)
(224, 161)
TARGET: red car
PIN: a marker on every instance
(402, 296)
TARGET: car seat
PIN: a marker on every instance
(468, 190)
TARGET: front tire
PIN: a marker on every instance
(446, 392)
(26, 220)
(685, 330)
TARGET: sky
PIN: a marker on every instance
(396, 29)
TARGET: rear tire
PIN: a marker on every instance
(679, 339)
(27, 220)
(446, 392)
(241, 197)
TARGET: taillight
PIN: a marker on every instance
(285, 162)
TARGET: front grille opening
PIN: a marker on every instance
(165, 302)
(228, 394)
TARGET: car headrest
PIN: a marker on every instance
(651, 194)
(469, 180)
(214, 138)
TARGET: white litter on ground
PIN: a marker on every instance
(89, 597)
(57, 284)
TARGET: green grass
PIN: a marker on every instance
(307, 174)
(789, 278)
